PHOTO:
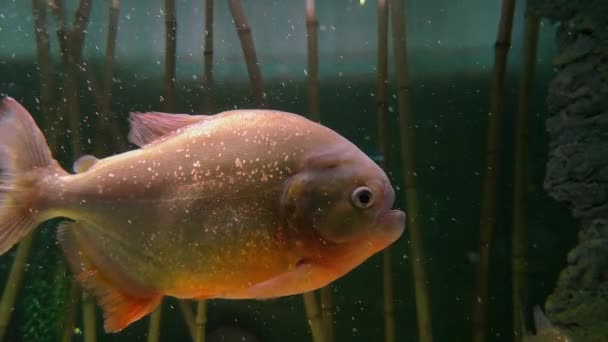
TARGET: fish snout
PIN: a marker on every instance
(390, 222)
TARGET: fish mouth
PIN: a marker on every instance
(391, 225)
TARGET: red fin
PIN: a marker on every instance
(150, 126)
(120, 307)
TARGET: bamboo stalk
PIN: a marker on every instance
(75, 42)
(382, 80)
(170, 50)
(314, 114)
(169, 95)
(389, 306)
(208, 59)
(313, 61)
(154, 327)
(314, 316)
(108, 70)
(488, 198)
(75, 45)
(13, 284)
(200, 323)
(44, 66)
(70, 90)
(406, 123)
(327, 313)
(81, 22)
(70, 312)
(520, 173)
(245, 36)
(186, 308)
(382, 110)
(109, 56)
(88, 317)
(71, 43)
(56, 7)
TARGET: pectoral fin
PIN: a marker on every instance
(123, 300)
(288, 283)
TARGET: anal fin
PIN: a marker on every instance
(123, 301)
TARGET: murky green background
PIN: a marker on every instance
(451, 52)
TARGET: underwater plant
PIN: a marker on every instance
(45, 290)
(520, 174)
(490, 170)
(251, 60)
(200, 321)
(325, 317)
(406, 137)
(383, 143)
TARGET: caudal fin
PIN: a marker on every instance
(24, 155)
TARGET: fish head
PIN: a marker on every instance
(335, 212)
(342, 197)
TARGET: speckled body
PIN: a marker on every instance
(242, 204)
(200, 206)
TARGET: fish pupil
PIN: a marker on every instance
(362, 197)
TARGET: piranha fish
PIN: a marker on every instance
(243, 204)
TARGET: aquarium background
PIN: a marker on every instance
(450, 48)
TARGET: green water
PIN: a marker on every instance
(450, 103)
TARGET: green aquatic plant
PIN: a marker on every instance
(383, 143)
(45, 290)
(406, 137)
(312, 25)
(326, 306)
(104, 122)
(251, 60)
(490, 175)
(313, 315)
(199, 331)
(207, 107)
(200, 321)
(169, 95)
(520, 204)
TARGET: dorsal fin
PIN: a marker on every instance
(84, 163)
(150, 126)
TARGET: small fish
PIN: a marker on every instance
(545, 331)
(242, 204)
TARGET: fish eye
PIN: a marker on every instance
(362, 197)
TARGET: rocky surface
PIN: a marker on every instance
(577, 167)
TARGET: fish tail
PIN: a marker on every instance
(25, 159)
